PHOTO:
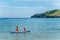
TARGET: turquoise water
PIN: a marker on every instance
(41, 29)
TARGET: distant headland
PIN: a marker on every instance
(48, 14)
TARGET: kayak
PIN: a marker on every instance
(19, 32)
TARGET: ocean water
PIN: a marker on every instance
(41, 28)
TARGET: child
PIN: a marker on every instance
(17, 29)
(24, 29)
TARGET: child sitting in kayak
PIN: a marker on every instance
(24, 29)
(17, 29)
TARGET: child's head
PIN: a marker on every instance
(17, 26)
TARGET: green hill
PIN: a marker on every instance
(48, 14)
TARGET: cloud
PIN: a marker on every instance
(26, 0)
(38, 0)
(4, 5)
(32, 0)
(12, 10)
(56, 3)
(29, 0)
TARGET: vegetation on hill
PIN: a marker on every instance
(48, 14)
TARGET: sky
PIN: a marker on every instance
(26, 8)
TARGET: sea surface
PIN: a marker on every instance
(41, 28)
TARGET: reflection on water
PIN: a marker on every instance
(17, 36)
(21, 36)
